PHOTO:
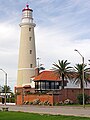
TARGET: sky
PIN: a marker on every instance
(61, 27)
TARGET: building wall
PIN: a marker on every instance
(31, 98)
(42, 98)
(25, 72)
(19, 100)
(52, 98)
(71, 93)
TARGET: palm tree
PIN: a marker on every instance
(79, 74)
(8, 89)
(63, 70)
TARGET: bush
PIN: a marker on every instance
(12, 100)
(7, 99)
(57, 104)
(68, 101)
(46, 102)
(36, 102)
(31, 103)
(80, 98)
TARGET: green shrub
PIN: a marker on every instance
(31, 103)
(57, 104)
(12, 100)
(7, 100)
(80, 98)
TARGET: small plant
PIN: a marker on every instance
(68, 101)
(80, 98)
(59, 103)
(26, 102)
(36, 102)
(18, 93)
(31, 103)
(46, 102)
(41, 103)
(28, 93)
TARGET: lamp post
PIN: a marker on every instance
(82, 76)
(5, 83)
(38, 59)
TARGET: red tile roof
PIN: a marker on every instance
(47, 75)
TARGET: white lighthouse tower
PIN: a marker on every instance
(27, 53)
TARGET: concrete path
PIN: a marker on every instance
(55, 110)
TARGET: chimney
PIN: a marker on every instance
(36, 71)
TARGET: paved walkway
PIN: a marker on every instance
(55, 110)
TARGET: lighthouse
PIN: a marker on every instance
(27, 53)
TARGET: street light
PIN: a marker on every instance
(82, 76)
(5, 83)
(38, 59)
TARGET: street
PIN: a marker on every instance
(55, 110)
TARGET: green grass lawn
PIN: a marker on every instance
(32, 116)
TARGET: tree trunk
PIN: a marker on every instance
(62, 81)
(81, 84)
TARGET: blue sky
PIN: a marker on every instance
(61, 27)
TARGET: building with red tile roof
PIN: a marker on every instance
(47, 75)
(47, 80)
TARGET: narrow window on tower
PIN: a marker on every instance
(29, 29)
(30, 80)
(31, 65)
(30, 51)
(30, 38)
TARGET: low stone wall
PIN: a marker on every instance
(52, 98)
(32, 97)
(19, 100)
(42, 98)
(72, 93)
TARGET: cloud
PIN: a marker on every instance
(62, 26)
(9, 45)
(53, 44)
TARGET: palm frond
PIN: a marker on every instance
(62, 69)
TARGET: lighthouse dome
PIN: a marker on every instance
(27, 8)
(27, 16)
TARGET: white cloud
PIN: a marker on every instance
(53, 44)
(9, 39)
(62, 26)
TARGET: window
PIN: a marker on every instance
(47, 85)
(42, 85)
(52, 85)
(30, 51)
(56, 85)
(29, 29)
(30, 80)
(36, 85)
(30, 38)
(31, 65)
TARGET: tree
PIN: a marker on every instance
(63, 70)
(80, 98)
(8, 89)
(78, 77)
